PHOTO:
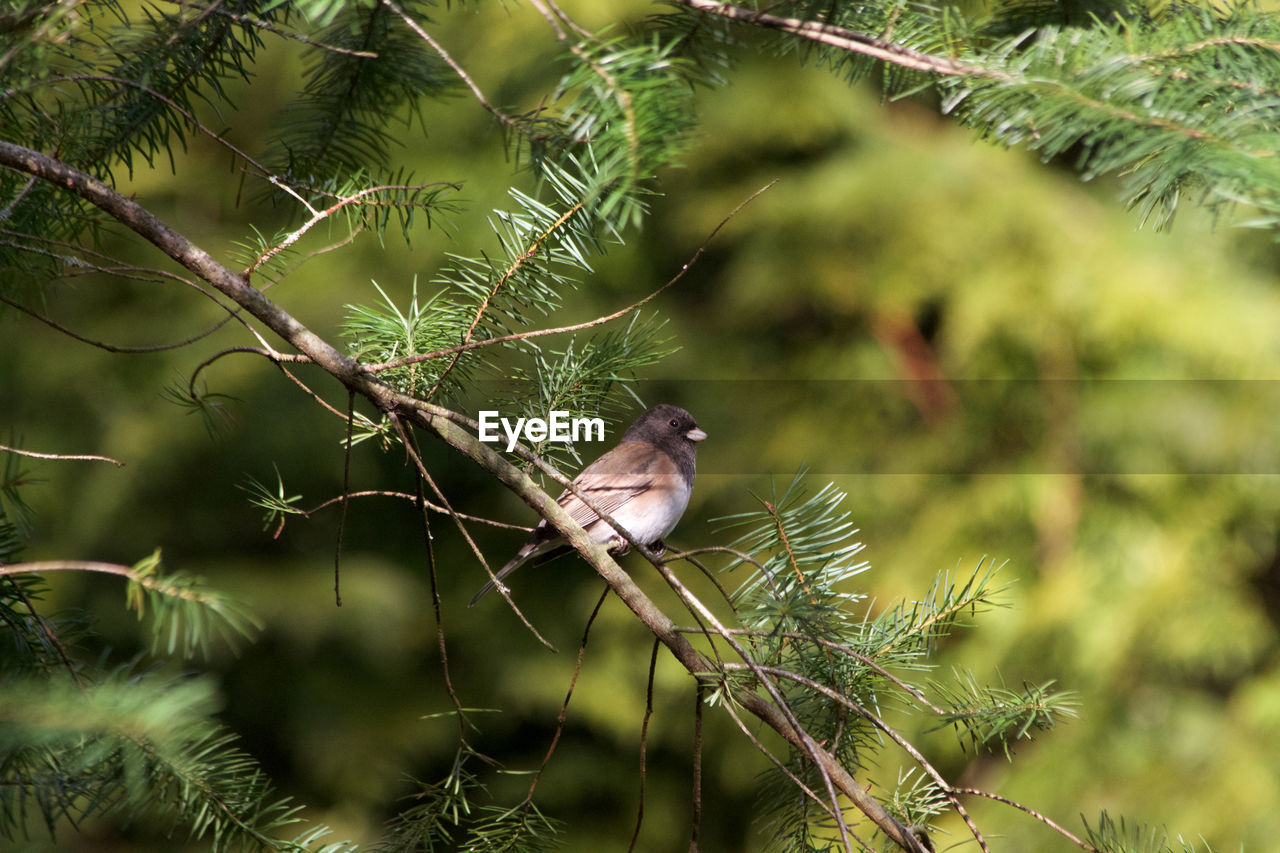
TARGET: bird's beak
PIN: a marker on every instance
(695, 434)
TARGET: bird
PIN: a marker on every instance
(644, 484)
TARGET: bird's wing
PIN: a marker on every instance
(629, 470)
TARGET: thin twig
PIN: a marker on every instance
(564, 706)
(428, 542)
(644, 740)
(555, 16)
(699, 693)
(452, 63)
(806, 741)
(688, 557)
(288, 34)
(843, 39)
(265, 352)
(278, 358)
(318, 216)
(561, 35)
(7, 211)
(568, 21)
(787, 771)
(576, 327)
(367, 493)
(62, 457)
(1047, 821)
(39, 566)
(103, 345)
(742, 556)
(50, 637)
(323, 250)
(346, 487)
(196, 124)
(462, 528)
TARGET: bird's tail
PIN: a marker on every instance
(516, 562)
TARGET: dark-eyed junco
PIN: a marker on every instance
(644, 483)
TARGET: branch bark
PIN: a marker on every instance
(440, 421)
(843, 39)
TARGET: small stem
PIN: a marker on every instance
(67, 457)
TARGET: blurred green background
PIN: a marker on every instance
(983, 351)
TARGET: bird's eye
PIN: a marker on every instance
(675, 424)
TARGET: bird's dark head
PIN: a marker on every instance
(665, 424)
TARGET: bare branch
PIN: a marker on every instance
(369, 493)
(1074, 839)
(103, 345)
(69, 457)
(288, 34)
(169, 102)
(452, 63)
(41, 566)
(644, 743)
(837, 37)
(802, 739)
(462, 528)
(563, 716)
(787, 771)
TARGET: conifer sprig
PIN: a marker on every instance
(989, 716)
(619, 113)
(128, 744)
(1121, 836)
(834, 667)
(186, 614)
(373, 72)
(1180, 101)
(802, 544)
(585, 379)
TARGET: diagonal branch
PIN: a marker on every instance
(441, 421)
(902, 742)
(843, 39)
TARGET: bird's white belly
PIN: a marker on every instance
(647, 527)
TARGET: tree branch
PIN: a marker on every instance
(837, 37)
(441, 421)
(73, 457)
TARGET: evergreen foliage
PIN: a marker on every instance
(1181, 101)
